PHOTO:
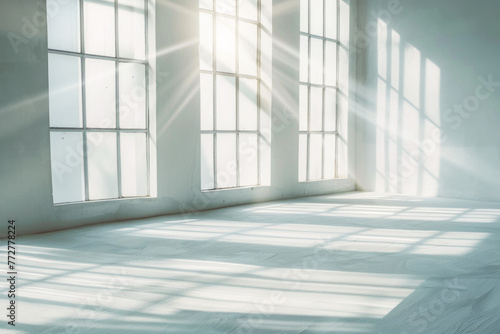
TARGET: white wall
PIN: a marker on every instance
(419, 62)
(25, 178)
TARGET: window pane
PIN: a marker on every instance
(207, 101)
(134, 167)
(304, 58)
(248, 161)
(226, 103)
(343, 70)
(265, 111)
(331, 21)
(226, 160)
(316, 61)
(303, 103)
(329, 168)
(132, 29)
(304, 15)
(266, 58)
(266, 14)
(63, 25)
(100, 92)
(344, 17)
(317, 17)
(248, 9)
(248, 48)
(65, 94)
(99, 27)
(331, 64)
(225, 44)
(226, 6)
(302, 157)
(206, 42)
(316, 104)
(67, 166)
(330, 109)
(207, 4)
(248, 104)
(102, 165)
(265, 161)
(132, 96)
(207, 161)
(315, 156)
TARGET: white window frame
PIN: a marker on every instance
(150, 104)
(323, 132)
(259, 132)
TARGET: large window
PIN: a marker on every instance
(319, 89)
(98, 98)
(235, 79)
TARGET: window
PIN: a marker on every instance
(319, 89)
(235, 81)
(98, 99)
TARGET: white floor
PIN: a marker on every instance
(350, 263)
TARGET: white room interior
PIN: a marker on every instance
(384, 220)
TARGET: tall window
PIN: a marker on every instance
(98, 84)
(318, 89)
(235, 79)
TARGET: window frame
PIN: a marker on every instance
(215, 73)
(150, 120)
(308, 84)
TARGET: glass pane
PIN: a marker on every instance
(100, 90)
(65, 94)
(207, 161)
(317, 17)
(207, 101)
(303, 103)
(330, 109)
(63, 25)
(134, 164)
(302, 157)
(331, 21)
(248, 9)
(67, 167)
(248, 161)
(102, 165)
(226, 44)
(266, 58)
(304, 58)
(226, 6)
(132, 29)
(207, 4)
(265, 162)
(99, 27)
(316, 117)
(316, 61)
(304, 15)
(331, 64)
(226, 160)
(248, 104)
(329, 168)
(132, 96)
(266, 14)
(315, 156)
(226, 103)
(344, 17)
(343, 70)
(265, 112)
(206, 42)
(248, 48)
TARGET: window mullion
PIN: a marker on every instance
(117, 104)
